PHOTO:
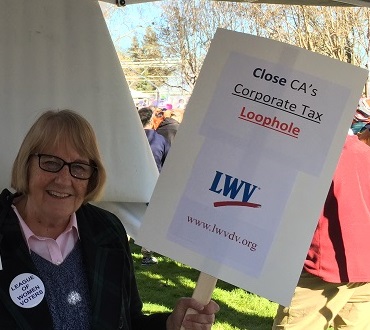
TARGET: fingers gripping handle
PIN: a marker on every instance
(203, 291)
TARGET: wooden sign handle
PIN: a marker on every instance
(203, 291)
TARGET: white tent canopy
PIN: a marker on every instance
(359, 3)
(59, 54)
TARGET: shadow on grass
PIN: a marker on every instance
(168, 277)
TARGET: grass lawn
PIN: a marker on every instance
(161, 285)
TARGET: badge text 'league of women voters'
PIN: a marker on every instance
(247, 175)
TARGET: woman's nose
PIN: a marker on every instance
(63, 174)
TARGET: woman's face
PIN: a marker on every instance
(55, 195)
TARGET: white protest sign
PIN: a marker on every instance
(246, 178)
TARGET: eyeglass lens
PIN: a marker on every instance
(54, 164)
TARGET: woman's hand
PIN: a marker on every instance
(201, 320)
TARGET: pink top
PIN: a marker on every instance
(339, 250)
(50, 249)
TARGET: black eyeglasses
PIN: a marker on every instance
(54, 164)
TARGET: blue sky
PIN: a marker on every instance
(131, 19)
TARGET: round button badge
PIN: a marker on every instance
(27, 290)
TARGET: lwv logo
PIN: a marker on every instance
(233, 188)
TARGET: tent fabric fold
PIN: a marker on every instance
(59, 55)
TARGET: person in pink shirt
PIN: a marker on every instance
(65, 263)
(334, 286)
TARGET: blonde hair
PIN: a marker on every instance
(52, 128)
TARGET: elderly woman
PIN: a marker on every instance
(66, 264)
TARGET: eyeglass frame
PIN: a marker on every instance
(69, 164)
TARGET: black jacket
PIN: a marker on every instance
(115, 301)
(168, 128)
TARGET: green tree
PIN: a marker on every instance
(150, 47)
(135, 52)
(147, 70)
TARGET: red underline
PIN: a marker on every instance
(235, 203)
(269, 127)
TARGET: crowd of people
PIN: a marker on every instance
(179, 103)
(160, 127)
